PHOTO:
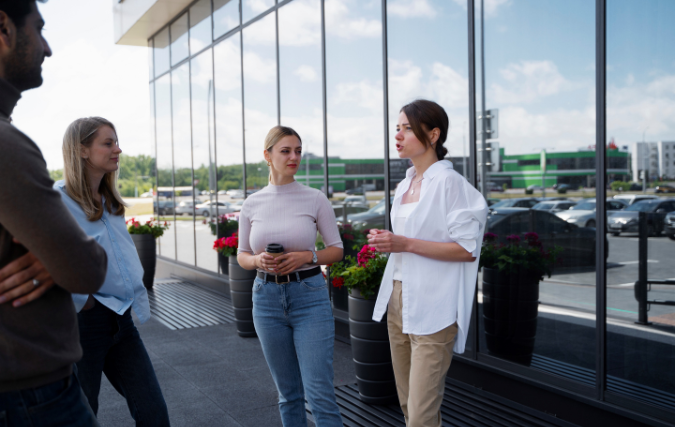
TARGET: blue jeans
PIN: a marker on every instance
(60, 403)
(111, 345)
(294, 322)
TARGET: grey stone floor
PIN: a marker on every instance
(211, 377)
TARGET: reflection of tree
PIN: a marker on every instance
(257, 175)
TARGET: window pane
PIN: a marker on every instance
(151, 66)
(539, 91)
(442, 76)
(179, 40)
(225, 16)
(253, 8)
(165, 200)
(204, 157)
(161, 51)
(182, 152)
(640, 72)
(200, 25)
(260, 92)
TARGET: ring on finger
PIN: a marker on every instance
(36, 282)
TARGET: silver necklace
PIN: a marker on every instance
(412, 190)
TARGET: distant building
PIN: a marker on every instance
(657, 158)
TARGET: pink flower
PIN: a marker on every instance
(514, 238)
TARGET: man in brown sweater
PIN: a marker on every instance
(39, 341)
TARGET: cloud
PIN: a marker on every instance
(528, 81)
(306, 73)
(259, 69)
(300, 23)
(491, 6)
(411, 9)
(340, 22)
(363, 94)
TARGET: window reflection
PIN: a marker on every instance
(539, 80)
(204, 158)
(151, 66)
(260, 92)
(252, 8)
(639, 66)
(179, 40)
(164, 208)
(182, 151)
(225, 16)
(161, 52)
(200, 25)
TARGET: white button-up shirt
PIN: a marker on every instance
(435, 293)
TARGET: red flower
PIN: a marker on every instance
(338, 282)
(348, 236)
(366, 254)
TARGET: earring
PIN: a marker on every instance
(269, 164)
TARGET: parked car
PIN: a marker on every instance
(372, 218)
(209, 208)
(567, 187)
(664, 189)
(577, 243)
(222, 192)
(626, 221)
(583, 213)
(526, 202)
(495, 188)
(147, 194)
(186, 207)
(235, 194)
(359, 201)
(491, 201)
(237, 205)
(669, 225)
(165, 207)
(554, 206)
(534, 187)
(634, 198)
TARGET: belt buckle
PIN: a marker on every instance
(276, 279)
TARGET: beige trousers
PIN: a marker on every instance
(421, 363)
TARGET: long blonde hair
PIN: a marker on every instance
(276, 134)
(81, 133)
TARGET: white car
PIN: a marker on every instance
(147, 194)
(213, 208)
(235, 194)
(633, 198)
(554, 206)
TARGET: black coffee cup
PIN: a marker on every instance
(274, 249)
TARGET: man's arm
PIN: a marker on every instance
(33, 213)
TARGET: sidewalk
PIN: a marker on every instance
(211, 377)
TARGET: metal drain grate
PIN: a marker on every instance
(182, 305)
(462, 406)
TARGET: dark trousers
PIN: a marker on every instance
(59, 404)
(112, 345)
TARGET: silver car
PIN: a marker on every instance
(186, 207)
(209, 208)
(554, 206)
(583, 213)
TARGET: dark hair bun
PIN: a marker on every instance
(423, 116)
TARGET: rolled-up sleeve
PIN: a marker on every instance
(466, 215)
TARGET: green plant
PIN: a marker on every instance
(518, 256)
(619, 186)
(504, 186)
(363, 273)
(227, 246)
(224, 224)
(352, 238)
(153, 227)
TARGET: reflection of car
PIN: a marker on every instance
(626, 221)
(634, 198)
(669, 225)
(235, 194)
(534, 187)
(165, 207)
(237, 205)
(359, 201)
(583, 213)
(222, 192)
(664, 189)
(186, 207)
(566, 187)
(527, 203)
(577, 243)
(554, 206)
(491, 201)
(147, 194)
(372, 218)
(209, 208)
(494, 187)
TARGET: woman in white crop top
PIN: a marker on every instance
(428, 286)
(291, 309)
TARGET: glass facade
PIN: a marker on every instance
(546, 100)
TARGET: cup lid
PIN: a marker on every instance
(274, 248)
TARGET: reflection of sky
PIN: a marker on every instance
(182, 150)
(228, 101)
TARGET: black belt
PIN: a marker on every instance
(286, 278)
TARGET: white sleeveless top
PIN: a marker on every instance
(399, 227)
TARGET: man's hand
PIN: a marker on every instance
(386, 241)
(16, 280)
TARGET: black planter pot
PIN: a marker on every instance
(222, 259)
(146, 247)
(340, 295)
(510, 307)
(371, 352)
(241, 292)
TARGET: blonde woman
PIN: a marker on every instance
(428, 286)
(291, 309)
(110, 342)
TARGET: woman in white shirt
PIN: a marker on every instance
(428, 286)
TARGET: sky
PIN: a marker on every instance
(88, 75)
